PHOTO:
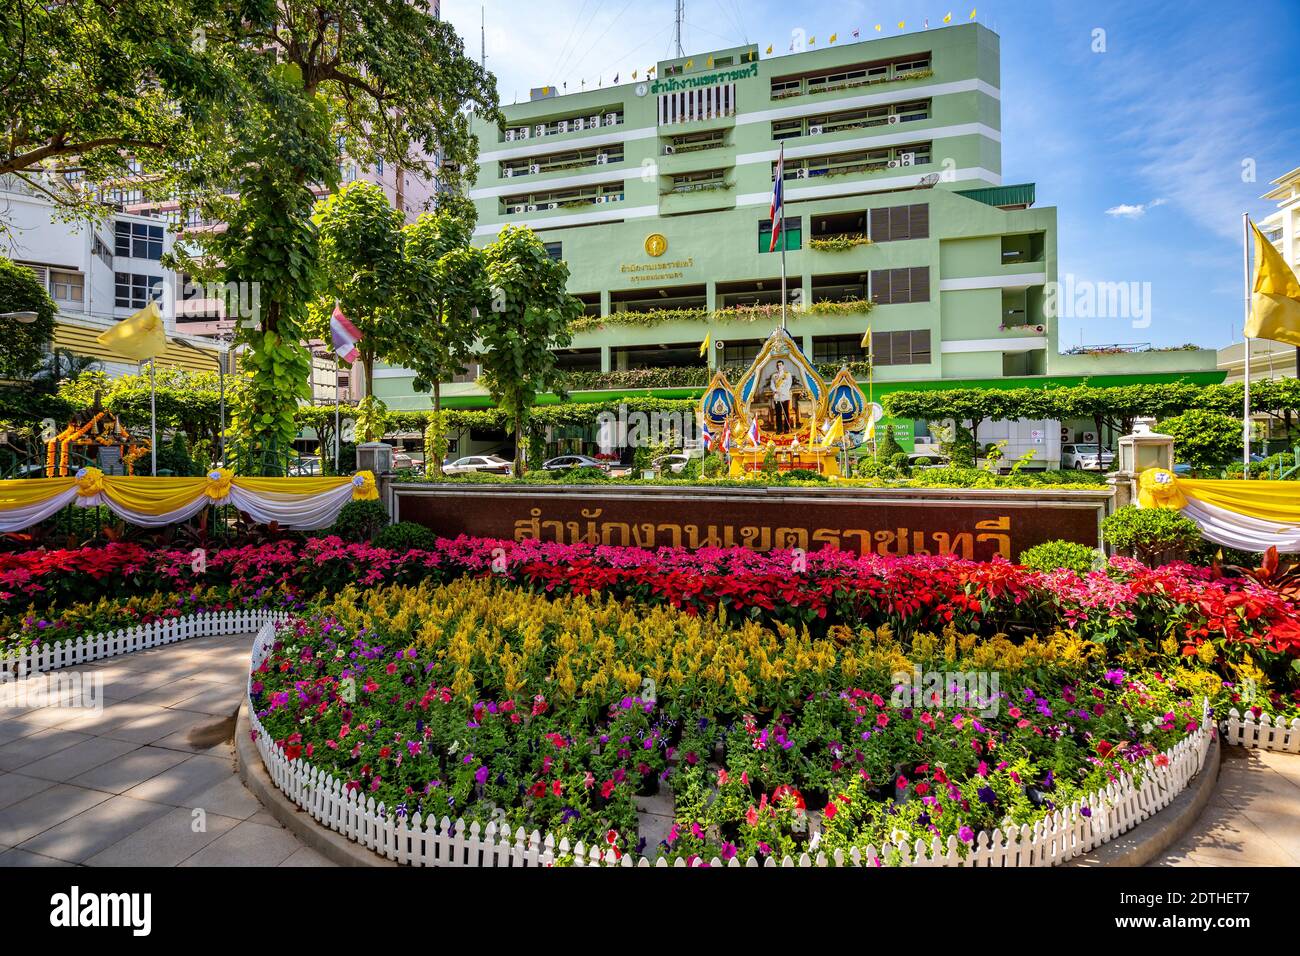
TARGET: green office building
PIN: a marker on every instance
(656, 194)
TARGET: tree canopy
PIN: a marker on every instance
(24, 342)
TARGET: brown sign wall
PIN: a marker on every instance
(971, 525)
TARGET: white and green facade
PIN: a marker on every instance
(656, 194)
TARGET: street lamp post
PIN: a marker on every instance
(25, 317)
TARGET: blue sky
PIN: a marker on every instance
(1140, 148)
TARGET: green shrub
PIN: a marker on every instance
(889, 446)
(693, 470)
(712, 466)
(898, 461)
(803, 474)
(405, 536)
(769, 465)
(1152, 535)
(1051, 555)
(583, 476)
(1206, 440)
(360, 520)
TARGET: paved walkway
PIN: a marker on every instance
(148, 781)
(1253, 819)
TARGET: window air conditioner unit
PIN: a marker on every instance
(540, 129)
(593, 121)
(801, 174)
(531, 208)
(814, 130)
(1067, 435)
(510, 136)
(893, 164)
(669, 149)
(893, 118)
(534, 168)
(579, 124)
(514, 210)
(523, 133)
(508, 172)
(1088, 438)
(907, 159)
(552, 205)
(562, 126)
(602, 200)
(602, 159)
(611, 119)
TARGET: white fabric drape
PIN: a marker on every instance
(1240, 531)
(306, 512)
(24, 516)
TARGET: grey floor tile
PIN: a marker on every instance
(81, 837)
(15, 787)
(166, 841)
(77, 759)
(125, 772)
(249, 844)
(179, 786)
(36, 814)
(21, 858)
(306, 857)
(27, 750)
(230, 798)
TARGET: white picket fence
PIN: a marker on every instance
(1061, 836)
(81, 650)
(1262, 733)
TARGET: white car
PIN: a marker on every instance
(675, 463)
(1086, 457)
(490, 464)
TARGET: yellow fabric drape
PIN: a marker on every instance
(1160, 488)
(290, 486)
(152, 496)
(19, 492)
(1269, 500)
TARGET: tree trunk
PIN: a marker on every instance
(519, 442)
(437, 396)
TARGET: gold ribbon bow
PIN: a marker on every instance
(90, 482)
(363, 486)
(218, 486)
(1158, 488)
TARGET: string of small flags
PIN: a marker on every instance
(649, 72)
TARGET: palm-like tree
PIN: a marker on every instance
(62, 365)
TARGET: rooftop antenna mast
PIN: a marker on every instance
(681, 15)
(482, 38)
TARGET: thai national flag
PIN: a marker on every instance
(706, 436)
(345, 336)
(726, 437)
(777, 212)
(753, 432)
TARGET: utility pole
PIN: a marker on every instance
(482, 37)
(681, 15)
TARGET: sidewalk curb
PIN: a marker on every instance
(1152, 837)
(335, 847)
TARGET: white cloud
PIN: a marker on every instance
(1134, 210)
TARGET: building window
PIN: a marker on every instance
(791, 232)
(67, 286)
(895, 223)
(838, 349)
(901, 348)
(138, 240)
(898, 286)
(740, 354)
(135, 291)
(555, 250)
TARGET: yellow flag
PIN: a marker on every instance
(972, 13)
(866, 343)
(689, 64)
(769, 48)
(812, 40)
(634, 74)
(1275, 304)
(835, 432)
(833, 36)
(139, 337)
(948, 17)
(902, 25)
(877, 27)
(710, 60)
(704, 346)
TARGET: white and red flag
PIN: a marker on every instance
(345, 336)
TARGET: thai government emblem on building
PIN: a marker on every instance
(655, 244)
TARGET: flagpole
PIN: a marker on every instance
(337, 360)
(783, 267)
(1245, 418)
(153, 418)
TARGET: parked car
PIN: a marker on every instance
(569, 462)
(1086, 457)
(675, 462)
(488, 464)
(305, 468)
